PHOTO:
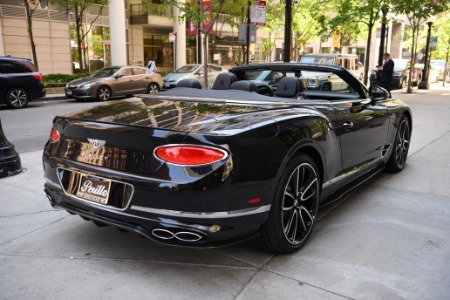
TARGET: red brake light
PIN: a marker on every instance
(38, 76)
(54, 135)
(189, 155)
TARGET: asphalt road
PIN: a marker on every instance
(390, 239)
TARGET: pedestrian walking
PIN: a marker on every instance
(152, 65)
(386, 72)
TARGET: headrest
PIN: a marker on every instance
(244, 85)
(189, 83)
(224, 81)
(289, 87)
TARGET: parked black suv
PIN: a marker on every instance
(20, 82)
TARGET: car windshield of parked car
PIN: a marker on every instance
(186, 69)
(400, 64)
(264, 75)
(105, 72)
(317, 60)
(438, 63)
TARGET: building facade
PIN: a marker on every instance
(127, 32)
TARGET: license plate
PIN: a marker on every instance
(94, 189)
(167, 85)
(69, 92)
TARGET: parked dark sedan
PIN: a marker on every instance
(401, 74)
(20, 82)
(114, 81)
(205, 168)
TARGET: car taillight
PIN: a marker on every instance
(189, 155)
(38, 76)
(54, 135)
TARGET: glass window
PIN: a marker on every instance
(23, 66)
(127, 72)
(139, 71)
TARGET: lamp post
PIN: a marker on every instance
(424, 85)
(384, 11)
(9, 158)
(287, 31)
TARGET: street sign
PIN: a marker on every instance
(258, 13)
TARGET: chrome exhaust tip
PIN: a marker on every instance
(184, 236)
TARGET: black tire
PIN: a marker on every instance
(294, 207)
(17, 98)
(153, 88)
(103, 93)
(399, 154)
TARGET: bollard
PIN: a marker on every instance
(9, 158)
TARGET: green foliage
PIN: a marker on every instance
(441, 29)
(60, 80)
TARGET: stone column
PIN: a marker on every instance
(118, 32)
(2, 47)
(180, 29)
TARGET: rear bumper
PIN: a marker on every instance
(166, 229)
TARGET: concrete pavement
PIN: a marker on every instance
(388, 240)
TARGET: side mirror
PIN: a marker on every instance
(200, 74)
(378, 93)
(118, 76)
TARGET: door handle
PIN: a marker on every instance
(347, 125)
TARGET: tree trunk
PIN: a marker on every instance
(409, 90)
(78, 24)
(30, 33)
(367, 56)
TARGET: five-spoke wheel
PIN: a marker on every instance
(103, 93)
(153, 88)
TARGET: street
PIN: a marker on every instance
(390, 239)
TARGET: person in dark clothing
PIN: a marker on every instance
(386, 72)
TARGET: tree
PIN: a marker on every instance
(442, 30)
(79, 8)
(30, 7)
(364, 12)
(417, 12)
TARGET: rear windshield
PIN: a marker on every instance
(17, 66)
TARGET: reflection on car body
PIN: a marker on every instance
(206, 168)
(114, 81)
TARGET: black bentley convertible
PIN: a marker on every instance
(205, 168)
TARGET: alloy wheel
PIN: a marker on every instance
(17, 98)
(299, 204)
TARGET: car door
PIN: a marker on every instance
(141, 77)
(123, 83)
(361, 126)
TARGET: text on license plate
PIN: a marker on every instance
(94, 189)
